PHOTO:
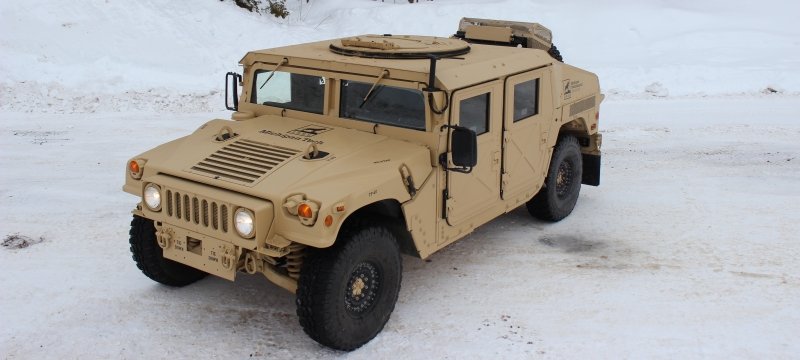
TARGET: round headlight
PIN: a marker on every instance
(152, 197)
(245, 222)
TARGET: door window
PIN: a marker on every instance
(526, 99)
(474, 113)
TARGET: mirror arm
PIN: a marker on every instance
(443, 163)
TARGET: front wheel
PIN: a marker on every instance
(150, 258)
(347, 292)
(558, 196)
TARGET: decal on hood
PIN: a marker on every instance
(310, 130)
(303, 134)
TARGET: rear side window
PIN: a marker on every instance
(474, 113)
(385, 105)
(526, 99)
(289, 91)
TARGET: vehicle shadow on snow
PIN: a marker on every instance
(263, 315)
(248, 317)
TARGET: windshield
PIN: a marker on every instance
(289, 91)
(385, 105)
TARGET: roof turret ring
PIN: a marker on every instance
(399, 46)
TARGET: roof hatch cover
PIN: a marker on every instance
(399, 46)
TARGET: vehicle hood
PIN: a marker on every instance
(264, 157)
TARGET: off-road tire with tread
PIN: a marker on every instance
(149, 257)
(558, 196)
(347, 292)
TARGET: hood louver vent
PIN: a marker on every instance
(244, 161)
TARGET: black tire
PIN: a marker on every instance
(555, 53)
(558, 196)
(150, 259)
(347, 292)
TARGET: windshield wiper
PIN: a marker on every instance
(369, 93)
(283, 62)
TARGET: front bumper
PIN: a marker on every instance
(194, 225)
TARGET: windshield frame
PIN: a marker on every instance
(266, 68)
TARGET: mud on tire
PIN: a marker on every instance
(347, 292)
(150, 259)
(558, 196)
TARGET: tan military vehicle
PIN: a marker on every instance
(342, 154)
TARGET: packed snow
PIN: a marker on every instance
(688, 249)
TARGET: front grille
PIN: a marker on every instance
(194, 209)
(244, 161)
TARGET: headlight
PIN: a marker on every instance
(152, 197)
(245, 222)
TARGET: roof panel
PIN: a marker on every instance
(482, 63)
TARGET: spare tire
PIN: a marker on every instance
(555, 53)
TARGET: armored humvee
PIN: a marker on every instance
(343, 154)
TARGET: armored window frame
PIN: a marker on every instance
(410, 113)
(526, 99)
(473, 113)
(309, 99)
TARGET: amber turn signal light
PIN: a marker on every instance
(328, 221)
(135, 168)
(304, 210)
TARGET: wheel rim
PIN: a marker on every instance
(362, 288)
(564, 179)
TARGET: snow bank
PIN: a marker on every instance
(53, 53)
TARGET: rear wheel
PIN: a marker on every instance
(558, 196)
(150, 259)
(347, 292)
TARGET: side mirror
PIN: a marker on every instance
(232, 81)
(464, 147)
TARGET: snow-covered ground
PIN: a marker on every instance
(687, 249)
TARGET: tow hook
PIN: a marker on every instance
(250, 264)
(229, 258)
(164, 237)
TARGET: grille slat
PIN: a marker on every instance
(186, 208)
(196, 210)
(224, 217)
(244, 161)
(205, 213)
(215, 216)
(169, 203)
(178, 211)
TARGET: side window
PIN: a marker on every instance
(474, 113)
(526, 99)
